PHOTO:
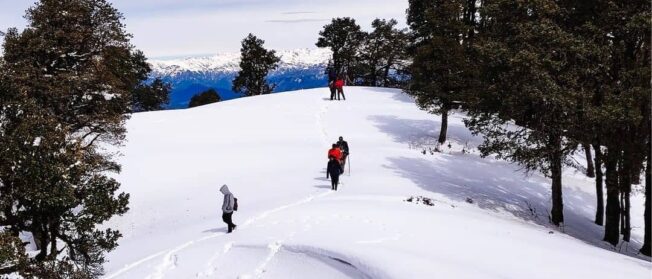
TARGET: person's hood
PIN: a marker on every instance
(225, 190)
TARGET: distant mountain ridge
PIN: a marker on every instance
(298, 69)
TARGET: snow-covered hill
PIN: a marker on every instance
(298, 69)
(485, 218)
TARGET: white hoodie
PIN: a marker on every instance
(229, 200)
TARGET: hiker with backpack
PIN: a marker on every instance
(339, 86)
(344, 147)
(229, 205)
(335, 152)
(333, 170)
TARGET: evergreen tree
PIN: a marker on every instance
(255, 64)
(67, 80)
(616, 101)
(149, 97)
(442, 37)
(646, 249)
(344, 37)
(207, 97)
(552, 75)
(531, 77)
(383, 53)
(622, 109)
(12, 253)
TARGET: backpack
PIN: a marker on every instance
(235, 204)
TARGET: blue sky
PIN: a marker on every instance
(193, 27)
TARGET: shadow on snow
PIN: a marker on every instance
(492, 184)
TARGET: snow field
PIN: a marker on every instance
(271, 151)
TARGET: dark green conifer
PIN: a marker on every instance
(207, 97)
(383, 54)
(150, 97)
(255, 64)
(344, 37)
(67, 82)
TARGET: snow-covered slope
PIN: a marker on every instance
(487, 220)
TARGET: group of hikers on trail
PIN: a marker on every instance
(336, 161)
(337, 156)
(336, 84)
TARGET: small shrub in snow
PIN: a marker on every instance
(421, 200)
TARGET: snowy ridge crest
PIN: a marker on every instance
(228, 62)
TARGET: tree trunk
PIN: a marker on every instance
(54, 226)
(590, 170)
(599, 195)
(636, 173)
(374, 74)
(647, 248)
(625, 181)
(557, 212)
(625, 188)
(612, 224)
(627, 225)
(41, 240)
(390, 62)
(444, 126)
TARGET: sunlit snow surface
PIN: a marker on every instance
(488, 219)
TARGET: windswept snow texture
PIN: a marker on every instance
(298, 69)
(488, 219)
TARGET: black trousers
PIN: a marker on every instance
(333, 91)
(334, 181)
(228, 219)
(340, 91)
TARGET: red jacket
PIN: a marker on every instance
(335, 152)
(339, 83)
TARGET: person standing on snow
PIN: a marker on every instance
(344, 147)
(228, 206)
(334, 169)
(339, 85)
(332, 76)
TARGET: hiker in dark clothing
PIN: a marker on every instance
(332, 76)
(334, 169)
(228, 206)
(344, 146)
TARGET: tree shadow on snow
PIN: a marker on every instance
(420, 133)
(403, 97)
(492, 184)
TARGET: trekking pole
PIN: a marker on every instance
(348, 158)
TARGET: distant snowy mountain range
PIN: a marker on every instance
(298, 69)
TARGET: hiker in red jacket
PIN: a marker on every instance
(335, 152)
(339, 85)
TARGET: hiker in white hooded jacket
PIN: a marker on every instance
(227, 208)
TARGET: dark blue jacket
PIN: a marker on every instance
(344, 146)
(332, 75)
